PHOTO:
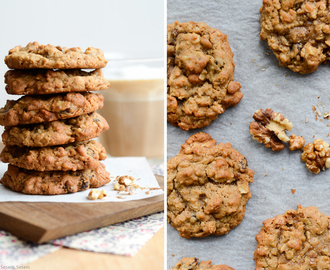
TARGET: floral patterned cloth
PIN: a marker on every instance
(125, 238)
(15, 252)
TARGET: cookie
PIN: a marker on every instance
(296, 240)
(43, 81)
(81, 128)
(297, 31)
(38, 109)
(35, 55)
(193, 264)
(54, 182)
(207, 187)
(200, 75)
(70, 157)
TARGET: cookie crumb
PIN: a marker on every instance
(306, 120)
(147, 192)
(266, 174)
(293, 190)
(120, 197)
(314, 109)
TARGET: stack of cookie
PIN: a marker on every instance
(48, 130)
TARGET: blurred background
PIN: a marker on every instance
(126, 28)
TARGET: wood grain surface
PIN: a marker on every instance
(43, 221)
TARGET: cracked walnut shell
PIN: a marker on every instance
(316, 156)
(207, 187)
(269, 128)
(200, 75)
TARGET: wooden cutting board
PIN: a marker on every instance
(41, 222)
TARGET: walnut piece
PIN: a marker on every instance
(316, 156)
(123, 182)
(296, 142)
(269, 128)
(96, 194)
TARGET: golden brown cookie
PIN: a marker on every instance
(54, 182)
(207, 187)
(297, 31)
(296, 240)
(38, 109)
(47, 81)
(200, 75)
(35, 55)
(78, 129)
(193, 264)
(69, 157)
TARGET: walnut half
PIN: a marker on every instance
(316, 156)
(269, 128)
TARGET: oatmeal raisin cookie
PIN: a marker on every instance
(54, 182)
(207, 187)
(200, 75)
(296, 240)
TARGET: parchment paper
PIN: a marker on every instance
(138, 167)
(274, 87)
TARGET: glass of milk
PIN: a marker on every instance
(134, 108)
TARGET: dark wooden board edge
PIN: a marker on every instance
(31, 230)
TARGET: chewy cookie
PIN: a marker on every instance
(71, 157)
(81, 128)
(207, 187)
(296, 240)
(47, 81)
(297, 31)
(193, 264)
(38, 109)
(200, 75)
(35, 55)
(53, 182)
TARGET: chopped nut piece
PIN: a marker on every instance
(96, 194)
(316, 156)
(293, 191)
(269, 128)
(296, 142)
(306, 120)
(326, 115)
(125, 180)
(102, 194)
(118, 187)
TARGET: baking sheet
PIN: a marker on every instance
(264, 85)
(138, 167)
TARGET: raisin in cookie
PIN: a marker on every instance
(45, 81)
(296, 240)
(54, 182)
(207, 187)
(297, 31)
(70, 157)
(193, 264)
(78, 129)
(38, 109)
(35, 55)
(200, 75)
